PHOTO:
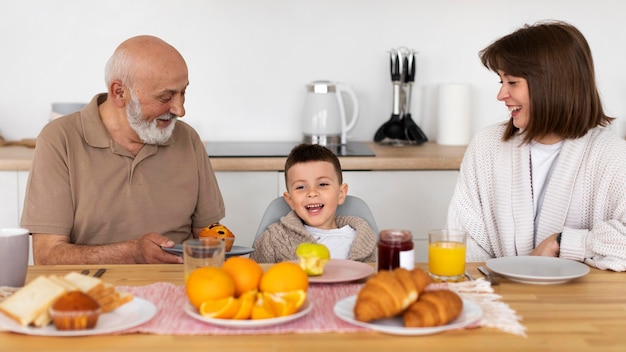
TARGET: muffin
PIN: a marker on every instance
(220, 232)
(75, 310)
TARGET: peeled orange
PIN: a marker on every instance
(245, 272)
(209, 284)
(284, 277)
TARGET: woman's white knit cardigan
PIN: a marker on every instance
(585, 198)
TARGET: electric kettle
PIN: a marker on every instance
(324, 113)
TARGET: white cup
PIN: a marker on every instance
(13, 256)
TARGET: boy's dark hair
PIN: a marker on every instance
(312, 152)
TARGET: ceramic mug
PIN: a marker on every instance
(13, 256)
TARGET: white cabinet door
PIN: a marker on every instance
(246, 195)
(22, 181)
(9, 199)
(12, 191)
(412, 200)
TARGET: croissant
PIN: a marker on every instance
(388, 293)
(433, 308)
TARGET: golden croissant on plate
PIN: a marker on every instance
(389, 293)
(433, 308)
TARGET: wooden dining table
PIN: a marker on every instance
(588, 313)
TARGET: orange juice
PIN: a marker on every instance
(446, 259)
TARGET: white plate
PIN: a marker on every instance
(470, 314)
(537, 269)
(131, 314)
(248, 323)
(343, 270)
(234, 251)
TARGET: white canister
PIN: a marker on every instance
(454, 117)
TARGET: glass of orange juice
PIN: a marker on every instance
(446, 254)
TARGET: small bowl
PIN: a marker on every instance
(75, 311)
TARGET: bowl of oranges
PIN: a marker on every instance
(241, 294)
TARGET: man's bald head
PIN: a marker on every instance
(142, 57)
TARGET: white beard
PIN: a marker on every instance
(148, 132)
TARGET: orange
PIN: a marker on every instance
(224, 308)
(285, 303)
(246, 273)
(208, 284)
(246, 301)
(284, 277)
(262, 308)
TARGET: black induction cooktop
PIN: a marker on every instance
(276, 149)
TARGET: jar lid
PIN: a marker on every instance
(395, 236)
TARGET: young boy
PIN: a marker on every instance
(314, 190)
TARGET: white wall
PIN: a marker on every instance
(249, 59)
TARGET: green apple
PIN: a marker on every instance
(312, 257)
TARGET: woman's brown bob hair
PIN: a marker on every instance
(556, 61)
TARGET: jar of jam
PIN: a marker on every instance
(395, 249)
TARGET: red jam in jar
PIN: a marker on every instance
(395, 249)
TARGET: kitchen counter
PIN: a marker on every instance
(428, 156)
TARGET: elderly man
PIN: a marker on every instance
(123, 177)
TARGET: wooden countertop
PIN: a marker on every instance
(428, 156)
(586, 314)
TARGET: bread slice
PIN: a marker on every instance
(30, 304)
(88, 284)
(104, 293)
(121, 298)
(62, 282)
(32, 301)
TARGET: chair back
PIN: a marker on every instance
(353, 205)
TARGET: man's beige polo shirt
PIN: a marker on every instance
(84, 185)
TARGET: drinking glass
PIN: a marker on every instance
(202, 252)
(446, 254)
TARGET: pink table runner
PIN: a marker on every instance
(171, 318)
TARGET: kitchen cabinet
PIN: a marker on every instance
(10, 199)
(246, 195)
(12, 192)
(408, 187)
(411, 200)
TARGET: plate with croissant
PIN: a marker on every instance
(399, 302)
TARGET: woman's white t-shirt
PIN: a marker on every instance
(542, 161)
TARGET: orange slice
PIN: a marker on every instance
(246, 302)
(262, 308)
(224, 308)
(285, 303)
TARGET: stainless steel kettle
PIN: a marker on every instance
(324, 114)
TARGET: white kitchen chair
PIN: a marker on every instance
(352, 206)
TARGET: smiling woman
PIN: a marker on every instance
(534, 179)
